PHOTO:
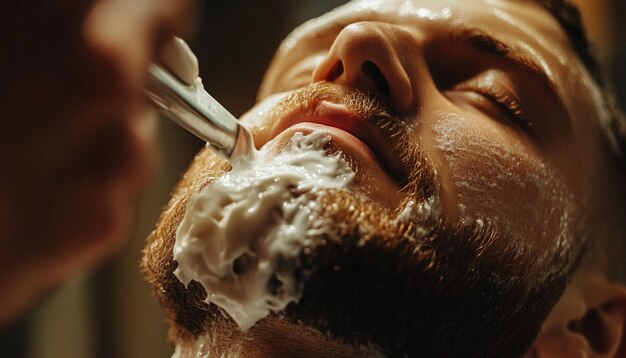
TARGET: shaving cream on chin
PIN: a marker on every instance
(241, 236)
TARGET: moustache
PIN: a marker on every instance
(421, 181)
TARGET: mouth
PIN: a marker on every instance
(353, 134)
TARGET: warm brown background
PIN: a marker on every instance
(110, 312)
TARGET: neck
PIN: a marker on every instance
(272, 337)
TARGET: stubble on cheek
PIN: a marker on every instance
(500, 179)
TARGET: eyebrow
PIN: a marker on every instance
(486, 42)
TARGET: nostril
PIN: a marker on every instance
(373, 72)
(335, 71)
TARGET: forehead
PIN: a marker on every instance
(522, 24)
(527, 16)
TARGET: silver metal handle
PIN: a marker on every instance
(205, 117)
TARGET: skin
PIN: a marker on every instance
(519, 173)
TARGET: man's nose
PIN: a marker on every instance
(371, 57)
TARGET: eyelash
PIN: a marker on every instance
(503, 99)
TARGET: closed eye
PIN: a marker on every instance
(505, 101)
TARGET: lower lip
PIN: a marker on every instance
(340, 138)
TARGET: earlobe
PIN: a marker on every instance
(588, 321)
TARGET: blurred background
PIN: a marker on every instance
(110, 312)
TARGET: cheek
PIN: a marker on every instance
(498, 180)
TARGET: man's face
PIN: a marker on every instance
(476, 112)
(490, 89)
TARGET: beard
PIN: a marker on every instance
(403, 279)
(420, 288)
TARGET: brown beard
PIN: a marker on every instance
(423, 287)
(458, 290)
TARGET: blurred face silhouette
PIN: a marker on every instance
(465, 123)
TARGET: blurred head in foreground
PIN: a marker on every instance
(487, 213)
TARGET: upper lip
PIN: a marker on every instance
(339, 116)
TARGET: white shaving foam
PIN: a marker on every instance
(238, 235)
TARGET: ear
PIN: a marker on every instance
(588, 321)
